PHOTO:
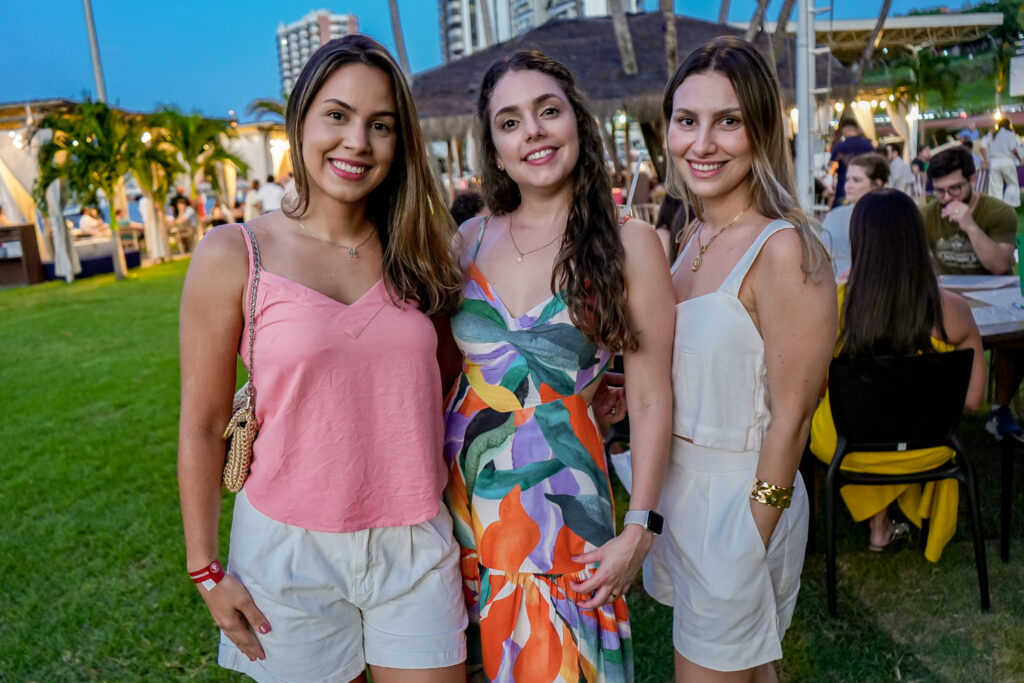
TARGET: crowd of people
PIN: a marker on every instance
(429, 496)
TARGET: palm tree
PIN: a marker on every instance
(757, 20)
(1001, 62)
(396, 28)
(872, 43)
(623, 38)
(154, 168)
(779, 36)
(199, 143)
(92, 150)
(926, 72)
(668, 15)
(262, 107)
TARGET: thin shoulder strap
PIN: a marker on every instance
(735, 279)
(480, 235)
(254, 273)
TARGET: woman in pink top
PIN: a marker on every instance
(341, 555)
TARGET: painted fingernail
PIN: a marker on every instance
(264, 628)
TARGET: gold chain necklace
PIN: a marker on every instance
(353, 252)
(519, 259)
(699, 261)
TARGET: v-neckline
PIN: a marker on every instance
(316, 291)
(497, 296)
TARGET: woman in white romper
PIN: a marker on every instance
(755, 328)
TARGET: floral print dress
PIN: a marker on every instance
(529, 490)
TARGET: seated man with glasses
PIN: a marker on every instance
(971, 233)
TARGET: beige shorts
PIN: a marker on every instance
(733, 600)
(336, 601)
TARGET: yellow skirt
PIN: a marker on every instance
(936, 501)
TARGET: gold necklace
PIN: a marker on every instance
(353, 252)
(699, 261)
(519, 259)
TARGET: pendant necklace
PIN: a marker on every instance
(699, 261)
(353, 252)
(519, 259)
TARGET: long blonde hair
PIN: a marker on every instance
(407, 208)
(773, 182)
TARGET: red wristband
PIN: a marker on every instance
(208, 576)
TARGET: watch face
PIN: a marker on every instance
(655, 522)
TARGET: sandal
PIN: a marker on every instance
(900, 531)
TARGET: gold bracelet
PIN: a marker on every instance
(770, 494)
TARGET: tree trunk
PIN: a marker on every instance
(757, 19)
(654, 140)
(779, 37)
(623, 38)
(723, 12)
(609, 141)
(451, 174)
(396, 28)
(120, 267)
(668, 15)
(872, 43)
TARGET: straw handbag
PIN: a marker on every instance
(243, 427)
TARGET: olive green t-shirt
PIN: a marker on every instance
(952, 249)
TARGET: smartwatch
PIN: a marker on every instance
(648, 519)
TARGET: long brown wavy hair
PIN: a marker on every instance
(773, 180)
(589, 265)
(892, 305)
(407, 209)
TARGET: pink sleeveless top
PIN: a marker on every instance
(348, 399)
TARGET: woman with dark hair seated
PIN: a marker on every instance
(892, 306)
(865, 173)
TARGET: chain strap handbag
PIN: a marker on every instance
(243, 427)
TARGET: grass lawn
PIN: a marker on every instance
(92, 575)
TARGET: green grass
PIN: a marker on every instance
(92, 575)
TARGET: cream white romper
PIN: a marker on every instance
(732, 600)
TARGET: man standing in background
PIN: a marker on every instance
(270, 195)
(900, 176)
(852, 145)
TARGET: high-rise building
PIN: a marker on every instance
(298, 40)
(462, 22)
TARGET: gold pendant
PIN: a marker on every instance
(697, 263)
(519, 259)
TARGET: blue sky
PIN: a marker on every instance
(218, 55)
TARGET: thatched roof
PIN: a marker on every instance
(446, 96)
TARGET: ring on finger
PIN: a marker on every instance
(614, 596)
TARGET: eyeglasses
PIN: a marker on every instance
(954, 190)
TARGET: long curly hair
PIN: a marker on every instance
(773, 180)
(407, 209)
(589, 266)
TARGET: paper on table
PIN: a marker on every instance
(963, 283)
(993, 315)
(1007, 296)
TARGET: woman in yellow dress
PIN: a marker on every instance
(892, 306)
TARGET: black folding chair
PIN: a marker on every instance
(1007, 456)
(899, 404)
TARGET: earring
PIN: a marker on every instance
(500, 167)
